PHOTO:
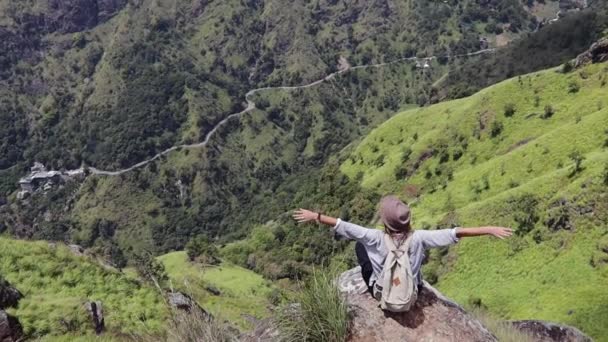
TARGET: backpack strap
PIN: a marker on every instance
(390, 243)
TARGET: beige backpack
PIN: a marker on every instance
(396, 282)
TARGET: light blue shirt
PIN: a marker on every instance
(373, 240)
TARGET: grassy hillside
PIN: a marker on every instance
(530, 153)
(56, 284)
(243, 293)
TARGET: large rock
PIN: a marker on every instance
(433, 317)
(10, 328)
(95, 310)
(9, 296)
(550, 332)
(182, 301)
(597, 53)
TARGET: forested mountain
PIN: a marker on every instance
(110, 84)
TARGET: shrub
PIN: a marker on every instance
(496, 129)
(573, 87)
(321, 313)
(524, 209)
(150, 269)
(201, 249)
(577, 158)
(567, 67)
(509, 110)
(605, 174)
(197, 326)
(503, 330)
(549, 111)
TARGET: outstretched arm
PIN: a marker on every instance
(499, 232)
(303, 215)
(349, 230)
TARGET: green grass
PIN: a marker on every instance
(243, 292)
(320, 313)
(56, 285)
(542, 274)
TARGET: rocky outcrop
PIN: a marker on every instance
(182, 301)
(95, 310)
(433, 318)
(9, 296)
(597, 53)
(10, 328)
(550, 332)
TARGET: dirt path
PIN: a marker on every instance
(251, 106)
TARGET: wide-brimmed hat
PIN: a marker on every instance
(394, 214)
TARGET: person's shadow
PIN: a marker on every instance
(415, 316)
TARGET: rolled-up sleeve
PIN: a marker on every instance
(352, 231)
(438, 238)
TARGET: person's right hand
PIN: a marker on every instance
(303, 215)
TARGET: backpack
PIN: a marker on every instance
(396, 282)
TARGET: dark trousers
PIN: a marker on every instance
(366, 265)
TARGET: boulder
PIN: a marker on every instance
(433, 317)
(550, 332)
(597, 53)
(10, 328)
(95, 310)
(182, 301)
(9, 296)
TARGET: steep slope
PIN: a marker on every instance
(56, 284)
(226, 291)
(529, 153)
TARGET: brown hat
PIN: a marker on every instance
(394, 214)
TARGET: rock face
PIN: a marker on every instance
(95, 310)
(597, 53)
(550, 332)
(184, 302)
(433, 318)
(9, 296)
(10, 328)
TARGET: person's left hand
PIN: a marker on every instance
(303, 215)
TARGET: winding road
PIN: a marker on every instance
(251, 106)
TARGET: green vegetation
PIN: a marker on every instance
(504, 331)
(201, 249)
(552, 45)
(56, 284)
(320, 313)
(522, 178)
(89, 101)
(227, 291)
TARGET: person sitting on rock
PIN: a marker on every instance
(371, 247)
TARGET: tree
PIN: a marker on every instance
(577, 158)
(497, 128)
(150, 269)
(549, 111)
(509, 110)
(201, 249)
